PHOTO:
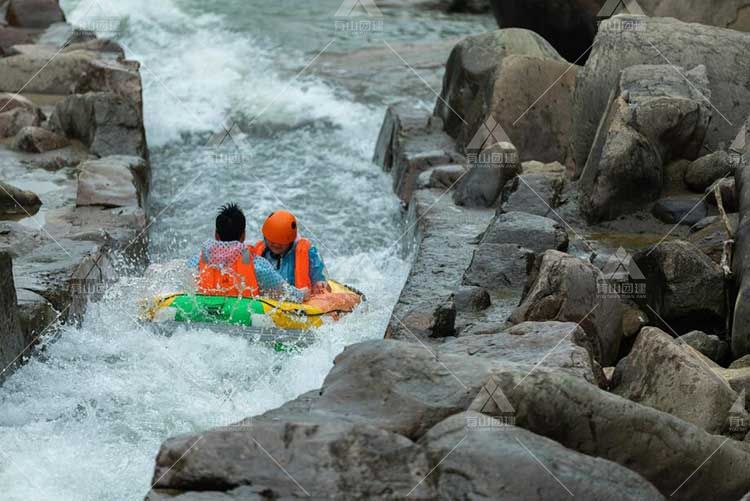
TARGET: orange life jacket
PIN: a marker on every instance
(301, 261)
(238, 280)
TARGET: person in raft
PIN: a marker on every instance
(227, 266)
(295, 258)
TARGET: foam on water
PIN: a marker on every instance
(84, 419)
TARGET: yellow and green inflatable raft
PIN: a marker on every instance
(255, 311)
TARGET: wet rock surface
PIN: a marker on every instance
(670, 376)
(684, 288)
(566, 289)
(722, 52)
(66, 99)
(654, 115)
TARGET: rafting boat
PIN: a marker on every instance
(254, 311)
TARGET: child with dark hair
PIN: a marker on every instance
(229, 248)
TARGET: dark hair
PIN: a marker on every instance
(230, 223)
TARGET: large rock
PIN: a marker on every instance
(14, 119)
(531, 231)
(711, 346)
(655, 114)
(681, 209)
(470, 72)
(722, 13)
(669, 452)
(494, 457)
(684, 288)
(499, 267)
(490, 170)
(17, 202)
(569, 25)
(34, 13)
(538, 190)
(319, 459)
(663, 41)
(531, 98)
(46, 70)
(38, 140)
(567, 289)
(704, 171)
(12, 342)
(410, 142)
(554, 345)
(107, 123)
(10, 37)
(710, 239)
(116, 181)
(371, 384)
(670, 376)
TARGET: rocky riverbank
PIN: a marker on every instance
(74, 171)
(567, 326)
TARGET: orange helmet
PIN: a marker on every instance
(280, 228)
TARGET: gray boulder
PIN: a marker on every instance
(670, 376)
(436, 320)
(527, 101)
(14, 120)
(108, 124)
(115, 181)
(17, 202)
(711, 346)
(319, 459)
(499, 267)
(703, 172)
(34, 13)
(490, 170)
(494, 457)
(683, 286)
(721, 13)
(723, 52)
(554, 345)
(710, 239)
(741, 363)
(371, 384)
(567, 289)
(682, 209)
(537, 190)
(44, 69)
(469, 71)
(531, 231)
(38, 140)
(666, 450)
(471, 299)
(12, 342)
(441, 177)
(654, 115)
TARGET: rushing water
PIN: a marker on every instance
(83, 420)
